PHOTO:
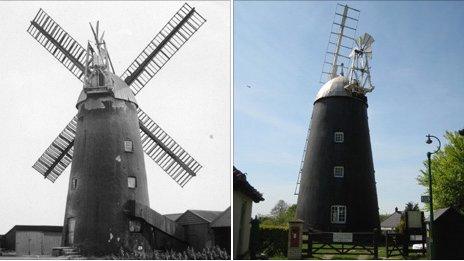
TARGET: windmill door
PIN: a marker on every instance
(71, 226)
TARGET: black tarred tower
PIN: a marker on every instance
(337, 188)
(107, 207)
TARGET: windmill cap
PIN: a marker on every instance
(121, 91)
(334, 87)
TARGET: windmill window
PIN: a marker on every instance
(339, 171)
(128, 146)
(339, 137)
(131, 182)
(74, 183)
(338, 214)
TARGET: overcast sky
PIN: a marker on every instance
(417, 68)
(189, 98)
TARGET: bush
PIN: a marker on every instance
(213, 253)
(273, 240)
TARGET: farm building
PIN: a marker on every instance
(244, 196)
(448, 226)
(221, 230)
(32, 240)
(2, 242)
(204, 228)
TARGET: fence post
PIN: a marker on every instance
(376, 238)
(255, 240)
(386, 243)
(295, 239)
(310, 246)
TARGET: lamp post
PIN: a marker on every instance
(429, 155)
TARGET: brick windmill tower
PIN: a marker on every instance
(107, 207)
(337, 188)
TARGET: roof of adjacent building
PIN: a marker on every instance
(36, 228)
(437, 213)
(241, 184)
(174, 216)
(191, 217)
(207, 215)
(223, 220)
(392, 221)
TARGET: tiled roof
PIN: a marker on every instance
(392, 221)
(241, 184)
(173, 217)
(437, 213)
(222, 220)
(207, 215)
(37, 228)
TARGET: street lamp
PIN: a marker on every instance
(429, 155)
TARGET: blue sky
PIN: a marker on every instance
(417, 68)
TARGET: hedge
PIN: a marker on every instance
(273, 240)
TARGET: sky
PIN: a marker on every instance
(189, 98)
(417, 69)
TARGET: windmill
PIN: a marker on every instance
(105, 140)
(336, 183)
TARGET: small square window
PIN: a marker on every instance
(131, 182)
(74, 183)
(339, 137)
(338, 214)
(339, 171)
(128, 146)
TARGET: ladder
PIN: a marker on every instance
(298, 181)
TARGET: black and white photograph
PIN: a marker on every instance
(118, 138)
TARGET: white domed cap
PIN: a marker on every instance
(334, 87)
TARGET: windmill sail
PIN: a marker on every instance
(165, 44)
(169, 155)
(341, 40)
(59, 154)
(59, 43)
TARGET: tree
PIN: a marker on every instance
(411, 206)
(447, 173)
(279, 209)
(280, 215)
(291, 212)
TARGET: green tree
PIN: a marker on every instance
(279, 209)
(447, 173)
(290, 213)
(411, 206)
(280, 215)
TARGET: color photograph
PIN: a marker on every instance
(340, 108)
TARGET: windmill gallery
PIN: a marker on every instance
(107, 207)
